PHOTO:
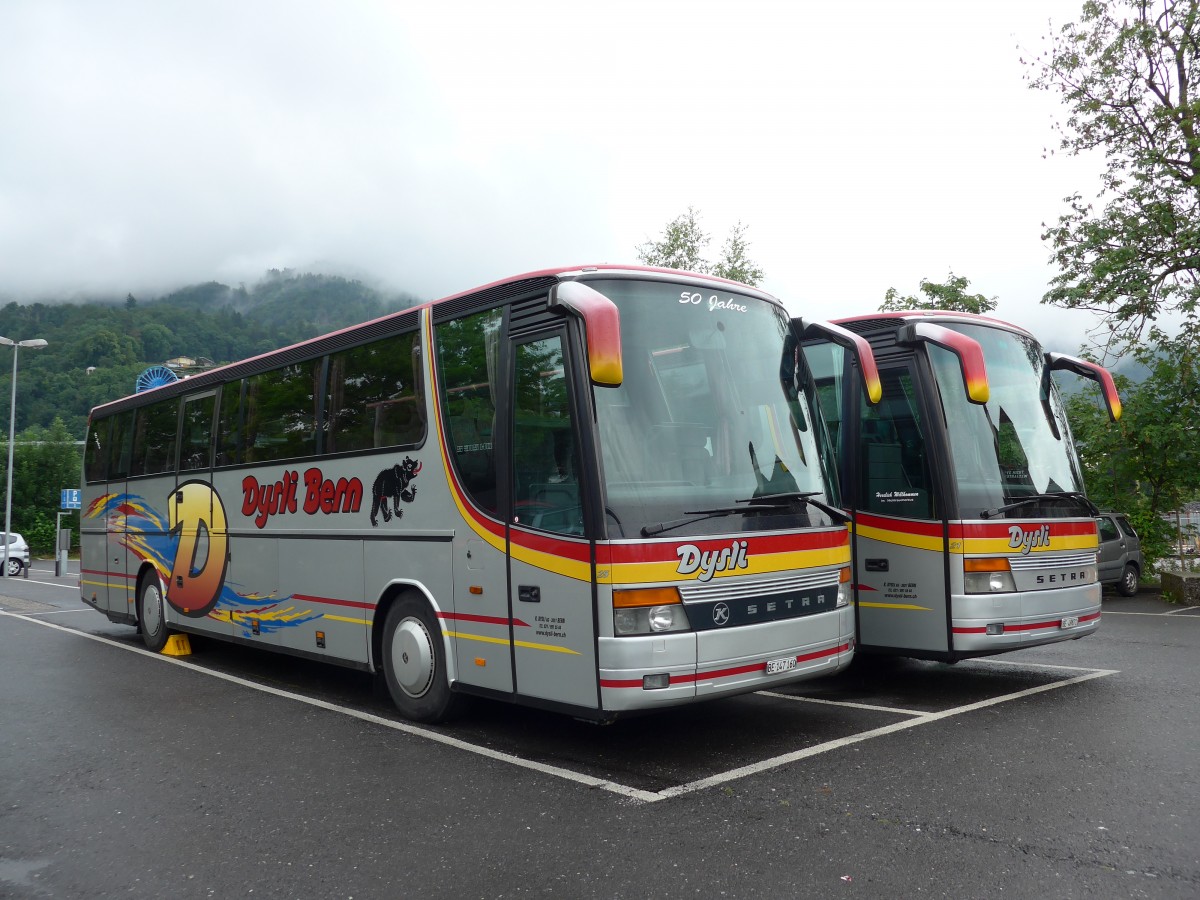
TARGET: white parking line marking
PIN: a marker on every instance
(867, 706)
(567, 774)
(775, 762)
(58, 584)
(623, 790)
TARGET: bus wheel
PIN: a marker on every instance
(1128, 584)
(152, 620)
(414, 663)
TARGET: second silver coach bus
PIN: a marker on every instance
(972, 532)
(594, 490)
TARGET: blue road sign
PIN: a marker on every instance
(71, 499)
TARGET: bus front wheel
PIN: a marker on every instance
(151, 613)
(414, 663)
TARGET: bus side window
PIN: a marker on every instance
(280, 413)
(154, 438)
(229, 424)
(120, 447)
(372, 399)
(468, 357)
(195, 446)
(95, 453)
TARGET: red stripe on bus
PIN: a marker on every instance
(722, 673)
(329, 600)
(1001, 530)
(110, 574)
(579, 551)
(667, 551)
(1032, 626)
(487, 620)
(904, 526)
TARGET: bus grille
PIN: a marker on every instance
(740, 588)
(1046, 561)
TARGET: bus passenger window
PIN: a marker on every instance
(195, 446)
(468, 353)
(154, 441)
(280, 413)
(372, 398)
(95, 452)
(120, 447)
(229, 426)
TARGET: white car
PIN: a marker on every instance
(18, 554)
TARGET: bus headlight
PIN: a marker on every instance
(845, 589)
(648, 611)
(663, 618)
(988, 576)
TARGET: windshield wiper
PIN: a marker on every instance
(1041, 498)
(805, 497)
(699, 515)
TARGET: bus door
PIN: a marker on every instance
(900, 535)
(550, 568)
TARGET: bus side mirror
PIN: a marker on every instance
(602, 325)
(968, 351)
(1057, 362)
(856, 344)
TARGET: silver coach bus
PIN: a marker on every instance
(972, 532)
(594, 490)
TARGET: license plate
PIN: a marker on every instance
(1069, 621)
(783, 664)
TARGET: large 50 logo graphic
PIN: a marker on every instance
(198, 523)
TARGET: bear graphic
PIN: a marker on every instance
(395, 483)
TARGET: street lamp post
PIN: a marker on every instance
(35, 344)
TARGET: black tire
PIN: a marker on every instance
(14, 567)
(414, 663)
(1128, 584)
(152, 614)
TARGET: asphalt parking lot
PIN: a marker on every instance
(1061, 771)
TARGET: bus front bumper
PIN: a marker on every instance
(663, 670)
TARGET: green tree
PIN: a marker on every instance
(734, 264)
(683, 244)
(45, 462)
(952, 295)
(1129, 74)
(1148, 463)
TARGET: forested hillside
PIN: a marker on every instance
(96, 350)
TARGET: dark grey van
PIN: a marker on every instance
(1120, 557)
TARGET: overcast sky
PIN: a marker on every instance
(432, 147)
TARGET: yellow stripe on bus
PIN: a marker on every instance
(1002, 545)
(346, 619)
(644, 573)
(526, 644)
(901, 538)
(875, 605)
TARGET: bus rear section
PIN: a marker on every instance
(972, 533)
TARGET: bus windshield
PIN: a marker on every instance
(1016, 450)
(708, 431)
